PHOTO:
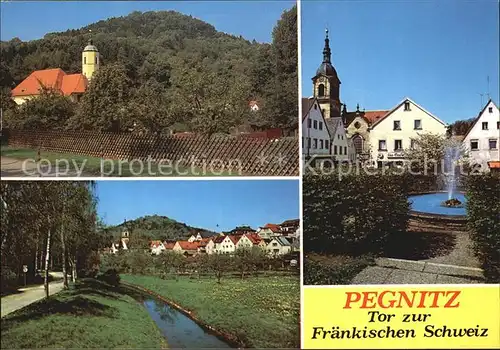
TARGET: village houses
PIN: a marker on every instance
(483, 139)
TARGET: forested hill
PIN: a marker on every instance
(164, 68)
(139, 39)
(156, 227)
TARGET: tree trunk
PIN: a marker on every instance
(73, 270)
(36, 256)
(47, 260)
(63, 255)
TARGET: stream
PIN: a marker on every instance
(178, 329)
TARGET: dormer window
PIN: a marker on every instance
(407, 106)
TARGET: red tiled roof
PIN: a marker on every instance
(169, 245)
(185, 245)
(254, 238)
(155, 244)
(74, 84)
(273, 227)
(54, 79)
(235, 238)
(373, 116)
(219, 239)
(252, 103)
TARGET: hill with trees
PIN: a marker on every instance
(146, 228)
(160, 71)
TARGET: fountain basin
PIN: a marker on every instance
(431, 203)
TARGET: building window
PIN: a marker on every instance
(345, 150)
(498, 125)
(397, 125)
(95, 60)
(84, 60)
(327, 144)
(340, 150)
(321, 144)
(320, 125)
(474, 145)
(398, 145)
(382, 146)
(315, 143)
(493, 143)
(357, 140)
(315, 123)
(485, 125)
(335, 149)
(321, 90)
(490, 110)
(308, 142)
(357, 125)
(418, 124)
(309, 123)
(407, 105)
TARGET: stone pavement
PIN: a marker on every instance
(399, 271)
(13, 302)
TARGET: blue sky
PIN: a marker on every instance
(438, 53)
(32, 20)
(201, 203)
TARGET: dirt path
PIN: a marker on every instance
(11, 303)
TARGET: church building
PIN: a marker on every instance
(323, 130)
(55, 79)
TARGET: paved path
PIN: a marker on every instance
(399, 271)
(13, 302)
(457, 267)
(18, 167)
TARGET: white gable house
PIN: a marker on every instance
(315, 134)
(483, 139)
(392, 134)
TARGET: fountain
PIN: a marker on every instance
(447, 204)
(451, 156)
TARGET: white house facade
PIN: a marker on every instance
(315, 135)
(483, 139)
(394, 133)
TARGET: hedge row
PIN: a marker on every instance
(353, 214)
(483, 211)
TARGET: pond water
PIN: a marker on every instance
(179, 330)
(431, 203)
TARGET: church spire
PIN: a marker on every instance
(327, 54)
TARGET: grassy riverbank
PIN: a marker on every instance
(91, 314)
(261, 311)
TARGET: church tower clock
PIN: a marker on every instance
(326, 84)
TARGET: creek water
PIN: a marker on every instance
(178, 329)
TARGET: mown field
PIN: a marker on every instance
(91, 314)
(263, 312)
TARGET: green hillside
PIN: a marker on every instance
(160, 70)
(156, 227)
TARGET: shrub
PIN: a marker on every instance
(321, 273)
(111, 277)
(483, 211)
(353, 214)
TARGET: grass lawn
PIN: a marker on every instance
(93, 165)
(263, 312)
(322, 269)
(91, 314)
